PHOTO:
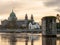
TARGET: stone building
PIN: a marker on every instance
(13, 22)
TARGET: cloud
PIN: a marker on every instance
(52, 3)
(18, 5)
(8, 6)
(58, 9)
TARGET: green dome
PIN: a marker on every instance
(12, 16)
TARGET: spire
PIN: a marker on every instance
(32, 19)
(12, 10)
(26, 17)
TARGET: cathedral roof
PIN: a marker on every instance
(12, 16)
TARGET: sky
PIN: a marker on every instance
(39, 8)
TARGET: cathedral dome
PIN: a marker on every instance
(12, 16)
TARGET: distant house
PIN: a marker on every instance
(34, 25)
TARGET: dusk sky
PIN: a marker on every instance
(39, 8)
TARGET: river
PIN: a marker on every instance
(5, 40)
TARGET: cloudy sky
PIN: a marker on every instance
(39, 8)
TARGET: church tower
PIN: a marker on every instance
(32, 18)
(26, 20)
(26, 17)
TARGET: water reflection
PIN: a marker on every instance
(12, 39)
(49, 40)
(16, 39)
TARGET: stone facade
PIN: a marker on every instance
(13, 22)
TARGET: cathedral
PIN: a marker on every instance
(13, 23)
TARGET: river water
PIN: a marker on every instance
(5, 39)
